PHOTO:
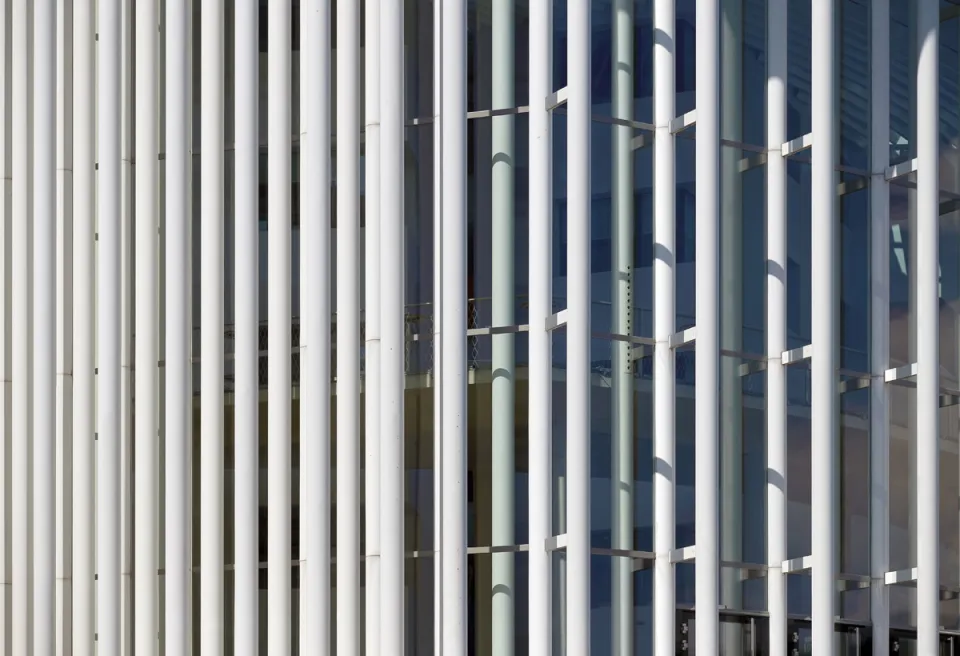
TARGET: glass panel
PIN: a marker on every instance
(496, 618)
(486, 86)
(743, 75)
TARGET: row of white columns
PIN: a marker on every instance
(35, 246)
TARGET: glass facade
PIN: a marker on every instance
(645, 404)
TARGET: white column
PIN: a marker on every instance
(879, 324)
(453, 393)
(578, 329)
(622, 474)
(540, 385)
(708, 327)
(179, 377)
(108, 329)
(6, 385)
(392, 598)
(247, 328)
(146, 331)
(824, 284)
(64, 329)
(348, 328)
(503, 160)
(664, 325)
(211, 328)
(127, 318)
(777, 325)
(437, 333)
(22, 275)
(279, 314)
(371, 312)
(44, 333)
(928, 324)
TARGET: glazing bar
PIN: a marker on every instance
(108, 328)
(279, 438)
(776, 325)
(540, 412)
(577, 596)
(178, 374)
(824, 424)
(708, 325)
(246, 424)
(928, 322)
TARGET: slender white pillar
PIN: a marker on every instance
(179, 377)
(928, 324)
(63, 471)
(879, 324)
(540, 385)
(503, 160)
(776, 325)
(44, 334)
(147, 320)
(371, 312)
(22, 273)
(391, 329)
(730, 433)
(108, 329)
(708, 326)
(453, 393)
(664, 325)
(247, 281)
(211, 328)
(824, 284)
(622, 475)
(279, 315)
(578, 329)
(437, 332)
(348, 328)
(6, 384)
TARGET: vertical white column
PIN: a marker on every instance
(824, 280)
(879, 323)
(64, 329)
(708, 326)
(453, 326)
(22, 274)
(540, 413)
(179, 378)
(108, 329)
(437, 332)
(211, 328)
(623, 246)
(247, 280)
(664, 325)
(146, 331)
(503, 158)
(44, 334)
(348, 328)
(127, 319)
(279, 314)
(928, 324)
(578, 329)
(392, 604)
(776, 325)
(6, 384)
(371, 311)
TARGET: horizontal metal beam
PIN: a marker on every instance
(556, 99)
(796, 355)
(901, 169)
(797, 145)
(681, 123)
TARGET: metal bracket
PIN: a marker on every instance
(683, 337)
(900, 170)
(900, 373)
(498, 330)
(684, 555)
(797, 565)
(752, 367)
(797, 145)
(554, 321)
(557, 542)
(797, 355)
(853, 384)
(681, 123)
(556, 99)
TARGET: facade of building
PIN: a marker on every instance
(480, 327)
